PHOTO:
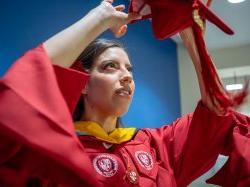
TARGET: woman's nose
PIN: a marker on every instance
(127, 79)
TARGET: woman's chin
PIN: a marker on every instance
(121, 111)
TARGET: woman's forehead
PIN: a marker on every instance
(114, 54)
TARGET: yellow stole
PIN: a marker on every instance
(117, 136)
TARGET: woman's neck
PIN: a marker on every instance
(108, 123)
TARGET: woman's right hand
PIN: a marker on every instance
(115, 18)
(64, 47)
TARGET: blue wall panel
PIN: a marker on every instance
(24, 24)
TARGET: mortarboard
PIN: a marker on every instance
(187, 17)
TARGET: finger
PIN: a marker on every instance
(123, 30)
(133, 16)
(127, 18)
(120, 7)
(118, 35)
(109, 1)
(120, 32)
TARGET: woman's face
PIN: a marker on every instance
(111, 86)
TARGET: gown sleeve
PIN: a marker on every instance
(36, 128)
(191, 145)
(236, 171)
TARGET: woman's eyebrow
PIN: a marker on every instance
(105, 61)
(117, 62)
(129, 65)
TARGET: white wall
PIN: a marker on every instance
(223, 58)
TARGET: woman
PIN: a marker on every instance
(39, 146)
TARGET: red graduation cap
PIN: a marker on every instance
(172, 16)
(176, 16)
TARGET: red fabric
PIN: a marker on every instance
(35, 119)
(38, 137)
(172, 16)
(193, 143)
(181, 151)
(236, 171)
(71, 86)
(213, 85)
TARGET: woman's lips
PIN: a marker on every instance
(124, 91)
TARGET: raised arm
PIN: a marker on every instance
(66, 46)
(213, 94)
(35, 121)
(188, 39)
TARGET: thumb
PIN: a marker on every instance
(133, 16)
(120, 31)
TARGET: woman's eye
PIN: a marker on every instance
(109, 66)
(130, 69)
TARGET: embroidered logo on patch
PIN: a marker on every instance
(145, 159)
(105, 165)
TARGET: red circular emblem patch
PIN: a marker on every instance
(145, 159)
(105, 165)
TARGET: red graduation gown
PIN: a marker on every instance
(38, 137)
(236, 171)
(36, 131)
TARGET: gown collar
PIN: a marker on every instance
(117, 136)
